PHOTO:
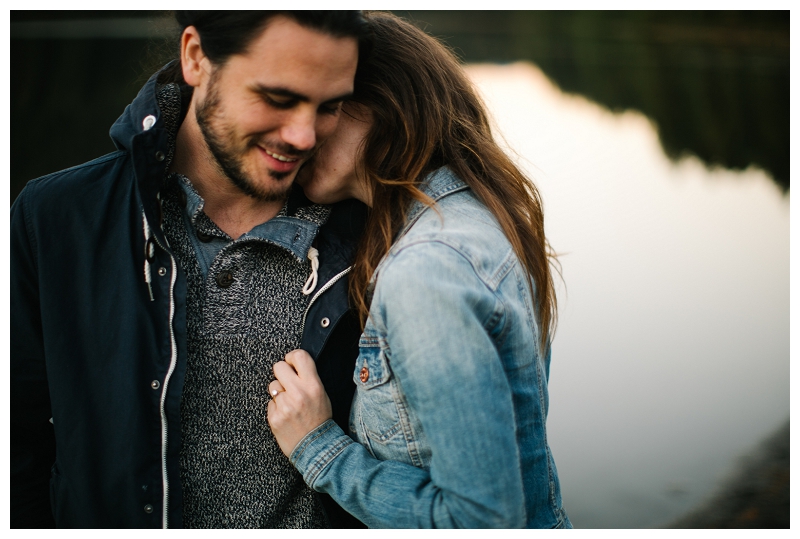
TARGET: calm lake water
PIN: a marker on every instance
(671, 358)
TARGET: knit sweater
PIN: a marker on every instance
(242, 317)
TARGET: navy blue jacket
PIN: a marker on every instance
(91, 350)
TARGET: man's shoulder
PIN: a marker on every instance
(91, 170)
(79, 189)
(72, 184)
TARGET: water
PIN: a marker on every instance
(672, 352)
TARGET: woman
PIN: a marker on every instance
(452, 282)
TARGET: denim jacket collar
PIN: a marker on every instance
(437, 185)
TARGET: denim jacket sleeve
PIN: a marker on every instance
(441, 321)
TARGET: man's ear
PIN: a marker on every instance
(194, 63)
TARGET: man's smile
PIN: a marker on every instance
(280, 157)
(281, 163)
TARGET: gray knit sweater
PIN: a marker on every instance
(244, 316)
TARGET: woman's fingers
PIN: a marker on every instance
(302, 363)
(300, 388)
(285, 374)
(298, 370)
(299, 403)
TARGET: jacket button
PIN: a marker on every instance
(205, 238)
(364, 375)
(148, 508)
(148, 122)
(160, 156)
(162, 271)
(325, 322)
(224, 279)
(155, 384)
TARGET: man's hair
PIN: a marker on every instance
(225, 33)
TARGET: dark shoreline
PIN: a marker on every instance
(756, 493)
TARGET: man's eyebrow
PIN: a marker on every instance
(278, 91)
(285, 92)
(343, 97)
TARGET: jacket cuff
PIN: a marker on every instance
(318, 449)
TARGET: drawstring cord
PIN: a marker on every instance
(311, 283)
(149, 254)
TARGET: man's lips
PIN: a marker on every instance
(280, 157)
(280, 162)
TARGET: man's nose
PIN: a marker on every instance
(300, 130)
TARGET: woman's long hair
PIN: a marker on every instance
(427, 114)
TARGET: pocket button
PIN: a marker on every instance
(364, 375)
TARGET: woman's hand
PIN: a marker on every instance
(299, 403)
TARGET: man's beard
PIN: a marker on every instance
(228, 152)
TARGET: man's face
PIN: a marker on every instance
(264, 112)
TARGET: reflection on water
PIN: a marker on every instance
(672, 352)
(716, 83)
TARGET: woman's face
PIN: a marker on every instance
(330, 176)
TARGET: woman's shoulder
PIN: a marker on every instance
(456, 208)
(458, 235)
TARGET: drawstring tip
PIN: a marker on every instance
(148, 279)
(311, 283)
(149, 253)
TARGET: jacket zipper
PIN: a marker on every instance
(325, 287)
(172, 363)
(174, 359)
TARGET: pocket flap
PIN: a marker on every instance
(372, 369)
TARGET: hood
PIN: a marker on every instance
(146, 130)
(147, 103)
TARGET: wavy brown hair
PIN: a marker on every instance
(426, 114)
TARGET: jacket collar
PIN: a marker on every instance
(143, 114)
(437, 185)
(142, 133)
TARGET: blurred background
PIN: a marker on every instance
(660, 144)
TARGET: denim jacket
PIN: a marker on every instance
(451, 400)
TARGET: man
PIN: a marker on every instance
(153, 289)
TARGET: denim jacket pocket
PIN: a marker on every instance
(372, 369)
(377, 417)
